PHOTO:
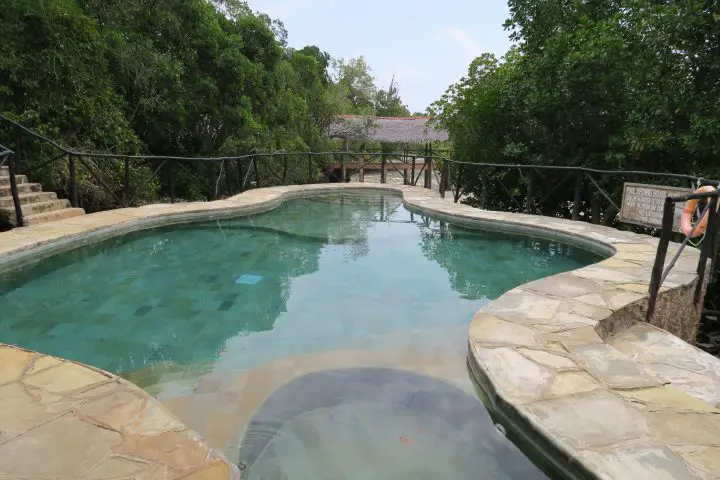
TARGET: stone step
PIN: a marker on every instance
(4, 171)
(42, 207)
(26, 198)
(22, 189)
(32, 209)
(52, 216)
(19, 179)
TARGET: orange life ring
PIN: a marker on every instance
(686, 225)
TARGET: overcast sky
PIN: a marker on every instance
(426, 44)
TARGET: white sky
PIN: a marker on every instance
(426, 44)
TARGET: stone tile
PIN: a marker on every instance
(524, 307)
(116, 466)
(599, 274)
(685, 428)
(41, 363)
(564, 285)
(573, 336)
(614, 262)
(177, 450)
(698, 385)
(516, 377)
(36, 454)
(115, 411)
(571, 383)
(667, 397)
(585, 310)
(612, 367)
(552, 360)
(13, 362)
(66, 377)
(154, 420)
(611, 299)
(705, 459)
(634, 287)
(19, 412)
(590, 420)
(100, 391)
(217, 470)
(641, 462)
(487, 329)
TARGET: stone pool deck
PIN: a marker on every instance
(566, 359)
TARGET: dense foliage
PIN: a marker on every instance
(178, 77)
(610, 84)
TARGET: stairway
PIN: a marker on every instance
(37, 206)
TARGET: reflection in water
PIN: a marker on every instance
(332, 272)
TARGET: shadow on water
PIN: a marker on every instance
(377, 423)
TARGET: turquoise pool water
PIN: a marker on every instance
(314, 274)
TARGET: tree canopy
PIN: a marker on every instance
(179, 77)
(630, 84)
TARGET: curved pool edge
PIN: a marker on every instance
(84, 422)
(567, 356)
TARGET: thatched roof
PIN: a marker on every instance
(387, 129)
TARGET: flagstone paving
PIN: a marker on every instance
(568, 357)
(63, 420)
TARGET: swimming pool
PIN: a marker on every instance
(312, 274)
(170, 307)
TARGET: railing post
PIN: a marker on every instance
(126, 183)
(412, 175)
(428, 172)
(661, 255)
(383, 179)
(241, 177)
(708, 246)
(579, 180)
(73, 182)
(343, 172)
(285, 168)
(19, 222)
(310, 175)
(257, 172)
(444, 177)
(457, 183)
(171, 180)
(361, 171)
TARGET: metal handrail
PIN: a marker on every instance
(8, 156)
(708, 250)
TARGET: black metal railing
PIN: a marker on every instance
(540, 183)
(708, 249)
(136, 177)
(7, 159)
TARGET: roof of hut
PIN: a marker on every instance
(387, 129)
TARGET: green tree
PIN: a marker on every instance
(388, 102)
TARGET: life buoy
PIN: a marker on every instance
(686, 225)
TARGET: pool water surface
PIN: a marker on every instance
(193, 312)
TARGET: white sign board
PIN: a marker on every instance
(643, 204)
